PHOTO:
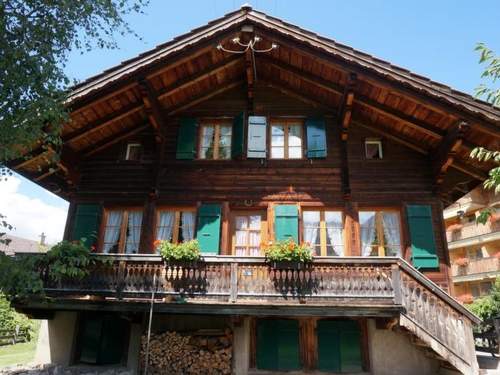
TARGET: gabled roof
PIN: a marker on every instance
(248, 15)
(175, 76)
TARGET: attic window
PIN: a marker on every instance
(134, 151)
(373, 149)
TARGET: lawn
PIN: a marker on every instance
(22, 353)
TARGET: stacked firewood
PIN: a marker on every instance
(207, 352)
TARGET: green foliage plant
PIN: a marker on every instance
(188, 251)
(289, 251)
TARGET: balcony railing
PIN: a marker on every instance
(380, 283)
(477, 266)
(470, 230)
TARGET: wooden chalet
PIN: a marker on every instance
(249, 130)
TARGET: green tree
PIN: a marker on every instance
(35, 39)
(489, 306)
(488, 91)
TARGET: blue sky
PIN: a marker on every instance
(432, 38)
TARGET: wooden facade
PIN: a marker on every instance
(426, 132)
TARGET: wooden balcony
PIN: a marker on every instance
(331, 286)
(477, 268)
(472, 233)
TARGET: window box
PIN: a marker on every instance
(290, 265)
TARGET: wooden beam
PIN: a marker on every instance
(249, 68)
(200, 76)
(345, 110)
(50, 171)
(360, 99)
(112, 140)
(203, 97)
(469, 170)
(154, 109)
(103, 122)
(379, 79)
(446, 152)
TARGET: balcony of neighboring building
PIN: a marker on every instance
(469, 233)
(469, 270)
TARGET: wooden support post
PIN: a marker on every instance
(225, 230)
(234, 282)
(153, 107)
(250, 73)
(396, 284)
(444, 156)
(351, 225)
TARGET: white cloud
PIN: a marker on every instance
(30, 216)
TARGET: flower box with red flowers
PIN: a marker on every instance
(289, 255)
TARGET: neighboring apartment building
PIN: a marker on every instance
(474, 248)
(311, 141)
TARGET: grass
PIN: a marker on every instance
(22, 353)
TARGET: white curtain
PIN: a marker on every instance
(112, 233)
(367, 221)
(311, 229)
(133, 232)
(165, 226)
(391, 232)
(241, 235)
(334, 231)
(188, 225)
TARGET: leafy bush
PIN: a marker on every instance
(489, 306)
(20, 276)
(188, 251)
(10, 319)
(290, 251)
(68, 260)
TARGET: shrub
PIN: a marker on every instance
(489, 306)
(290, 251)
(9, 318)
(188, 251)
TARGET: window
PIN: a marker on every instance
(215, 141)
(323, 230)
(481, 289)
(286, 139)
(134, 151)
(175, 225)
(373, 149)
(278, 344)
(248, 233)
(103, 339)
(122, 231)
(475, 254)
(380, 233)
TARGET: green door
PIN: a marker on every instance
(278, 344)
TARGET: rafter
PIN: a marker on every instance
(446, 152)
(345, 111)
(103, 122)
(115, 138)
(288, 91)
(200, 76)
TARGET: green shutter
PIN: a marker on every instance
(186, 139)
(238, 131)
(339, 346)
(86, 223)
(286, 222)
(278, 344)
(316, 138)
(423, 243)
(208, 228)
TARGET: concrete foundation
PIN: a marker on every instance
(56, 338)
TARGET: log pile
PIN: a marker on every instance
(207, 352)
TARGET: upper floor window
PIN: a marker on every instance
(134, 151)
(248, 233)
(373, 149)
(175, 225)
(380, 233)
(324, 231)
(122, 231)
(215, 141)
(286, 139)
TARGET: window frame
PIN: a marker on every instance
(378, 142)
(322, 232)
(380, 229)
(264, 235)
(216, 123)
(127, 152)
(286, 122)
(177, 216)
(123, 227)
